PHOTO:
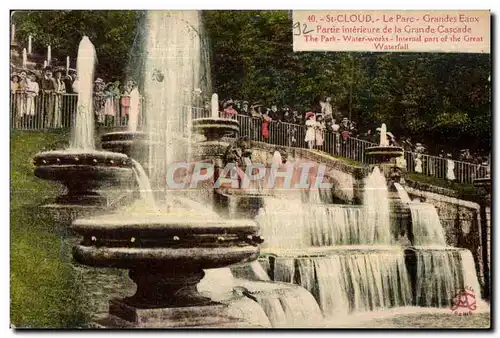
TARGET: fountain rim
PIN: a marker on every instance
(80, 152)
(130, 258)
(215, 119)
(110, 223)
(383, 150)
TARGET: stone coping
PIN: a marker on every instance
(317, 156)
(426, 187)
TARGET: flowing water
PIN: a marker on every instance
(283, 223)
(334, 252)
(144, 184)
(403, 195)
(442, 273)
(427, 229)
(25, 58)
(349, 279)
(376, 214)
(82, 136)
(133, 115)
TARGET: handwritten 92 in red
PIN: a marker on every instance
(464, 302)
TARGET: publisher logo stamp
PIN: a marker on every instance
(464, 302)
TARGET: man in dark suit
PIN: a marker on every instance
(48, 90)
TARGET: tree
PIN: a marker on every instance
(111, 32)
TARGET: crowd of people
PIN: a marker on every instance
(325, 116)
(26, 86)
(321, 118)
(40, 97)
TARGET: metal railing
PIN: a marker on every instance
(52, 110)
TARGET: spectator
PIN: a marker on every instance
(335, 126)
(99, 100)
(228, 110)
(68, 82)
(125, 101)
(111, 95)
(320, 130)
(244, 108)
(32, 90)
(344, 125)
(296, 117)
(60, 89)
(450, 168)
(418, 163)
(16, 98)
(287, 115)
(310, 133)
(15, 84)
(266, 120)
(275, 114)
(48, 88)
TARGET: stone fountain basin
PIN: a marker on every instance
(125, 141)
(76, 168)
(215, 125)
(129, 242)
(384, 151)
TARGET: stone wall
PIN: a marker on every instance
(346, 179)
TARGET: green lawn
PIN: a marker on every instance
(43, 289)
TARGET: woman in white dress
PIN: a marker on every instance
(32, 90)
(450, 166)
(310, 133)
(418, 164)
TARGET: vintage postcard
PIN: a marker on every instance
(250, 169)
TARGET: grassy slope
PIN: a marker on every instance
(42, 286)
(465, 190)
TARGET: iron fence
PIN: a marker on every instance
(53, 110)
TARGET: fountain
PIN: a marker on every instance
(436, 270)
(131, 142)
(343, 258)
(165, 246)
(384, 153)
(214, 128)
(80, 168)
(166, 256)
(354, 259)
(25, 58)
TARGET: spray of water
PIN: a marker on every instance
(427, 228)
(133, 116)
(376, 201)
(83, 131)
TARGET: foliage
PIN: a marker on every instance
(441, 99)
(111, 32)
